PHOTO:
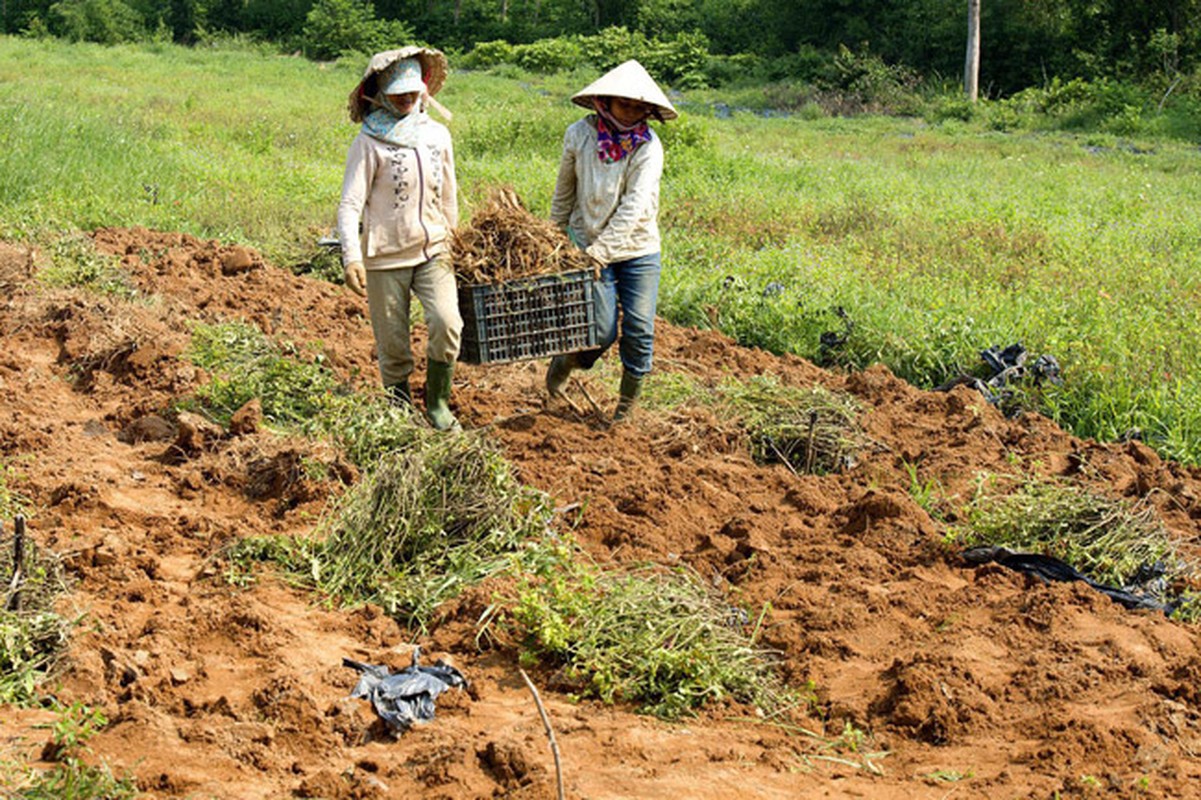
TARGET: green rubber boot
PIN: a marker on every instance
(399, 394)
(558, 372)
(631, 387)
(438, 376)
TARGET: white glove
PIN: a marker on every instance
(356, 277)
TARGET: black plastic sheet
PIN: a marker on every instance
(405, 697)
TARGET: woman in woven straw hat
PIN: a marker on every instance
(399, 206)
(607, 200)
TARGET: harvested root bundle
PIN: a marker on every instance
(506, 241)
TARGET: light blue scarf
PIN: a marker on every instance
(386, 124)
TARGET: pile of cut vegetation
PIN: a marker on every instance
(32, 633)
(505, 241)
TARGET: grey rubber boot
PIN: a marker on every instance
(438, 375)
(558, 372)
(399, 394)
(631, 387)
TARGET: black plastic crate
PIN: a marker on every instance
(526, 318)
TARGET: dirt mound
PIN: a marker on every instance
(929, 677)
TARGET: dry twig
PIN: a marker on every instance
(550, 732)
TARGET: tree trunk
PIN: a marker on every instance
(971, 68)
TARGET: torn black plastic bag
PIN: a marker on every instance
(1008, 366)
(1052, 569)
(407, 696)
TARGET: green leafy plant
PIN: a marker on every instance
(926, 493)
(658, 638)
(32, 633)
(244, 365)
(71, 778)
(75, 263)
(340, 27)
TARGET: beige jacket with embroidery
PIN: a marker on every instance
(405, 198)
(611, 209)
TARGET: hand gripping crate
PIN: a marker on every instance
(525, 318)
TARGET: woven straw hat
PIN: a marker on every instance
(631, 81)
(433, 70)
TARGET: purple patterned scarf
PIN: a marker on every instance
(614, 142)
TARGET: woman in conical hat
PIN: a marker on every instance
(399, 206)
(607, 199)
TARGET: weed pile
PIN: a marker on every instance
(1112, 542)
(32, 634)
(656, 637)
(297, 392)
(423, 524)
(506, 241)
(812, 430)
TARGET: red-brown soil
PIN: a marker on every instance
(976, 681)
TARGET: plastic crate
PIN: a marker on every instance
(527, 318)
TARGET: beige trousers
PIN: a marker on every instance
(389, 292)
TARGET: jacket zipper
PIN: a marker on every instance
(421, 203)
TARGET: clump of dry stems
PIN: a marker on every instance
(505, 241)
(811, 430)
(32, 634)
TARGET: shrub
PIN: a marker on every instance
(864, 79)
(338, 27)
(488, 54)
(807, 64)
(945, 107)
(683, 133)
(102, 21)
(548, 55)
(680, 61)
(723, 69)
(612, 46)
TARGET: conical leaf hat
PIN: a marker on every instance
(631, 81)
(433, 70)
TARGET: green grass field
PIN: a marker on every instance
(938, 241)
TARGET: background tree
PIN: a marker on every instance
(971, 69)
(343, 27)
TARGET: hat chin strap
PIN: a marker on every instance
(441, 109)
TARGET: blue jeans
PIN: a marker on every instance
(633, 287)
